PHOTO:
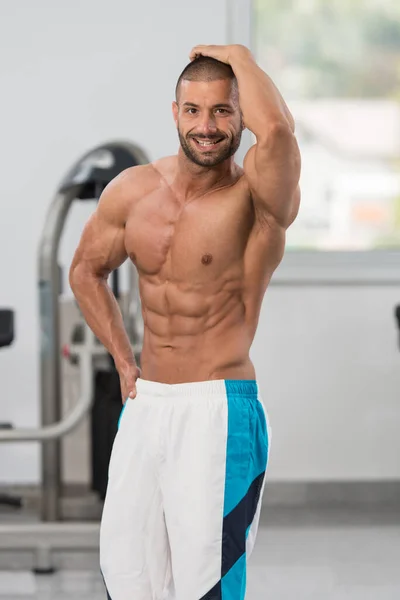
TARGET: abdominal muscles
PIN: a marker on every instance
(195, 332)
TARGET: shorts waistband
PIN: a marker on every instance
(242, 387)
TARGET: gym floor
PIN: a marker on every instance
(302, 554)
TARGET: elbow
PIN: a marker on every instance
(75, 276)
(80, 276)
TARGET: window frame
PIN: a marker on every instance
(367, 267)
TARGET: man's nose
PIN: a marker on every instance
(208, 124)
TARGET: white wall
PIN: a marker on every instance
(72, 75)
(328, 364)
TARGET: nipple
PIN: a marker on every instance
(206, 259)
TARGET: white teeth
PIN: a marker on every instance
(206, 143)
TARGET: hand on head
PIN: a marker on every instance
(224, 54)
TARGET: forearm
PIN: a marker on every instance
(260, 100)
(102, 313)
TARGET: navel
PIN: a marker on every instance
(206, 259)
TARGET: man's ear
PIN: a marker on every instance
(175, 111)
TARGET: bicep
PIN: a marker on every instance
(102, 245)
(272, 168)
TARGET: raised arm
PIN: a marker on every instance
(100, 251)
(272, 165)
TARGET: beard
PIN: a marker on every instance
(224, 150)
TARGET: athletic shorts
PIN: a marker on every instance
(186, 478)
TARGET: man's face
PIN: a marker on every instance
(209, 121)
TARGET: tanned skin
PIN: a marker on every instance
(205, 236)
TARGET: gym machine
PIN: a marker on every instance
(6, 339)
(85, 181)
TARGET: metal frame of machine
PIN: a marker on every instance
(86, 180)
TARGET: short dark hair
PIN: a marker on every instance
(205, 68)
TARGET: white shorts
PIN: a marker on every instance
(186, 477)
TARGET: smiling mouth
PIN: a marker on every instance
(207, 143)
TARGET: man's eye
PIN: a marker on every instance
(191, 111)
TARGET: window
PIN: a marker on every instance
(337, 63)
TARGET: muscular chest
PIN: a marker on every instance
(199, 240)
